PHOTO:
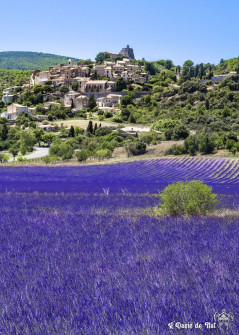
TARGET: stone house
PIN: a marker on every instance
(31, 110)
(125, 75)
(70, 98)
(99, 69)
(39, 77)
(133, 68)
(81, 83)
(118, 68)
(49, 127)
(109, 63)
(8, 98)
(81, 102)
(109, 101)
(48, 104)
(110, 109)
(8, 90)
(108, 71)
(14, 109)
(41, 117)
(132, 131)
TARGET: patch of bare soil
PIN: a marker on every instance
(161, 148)
(120, 152)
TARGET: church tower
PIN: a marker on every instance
(70, 62)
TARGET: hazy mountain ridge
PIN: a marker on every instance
(27, 60)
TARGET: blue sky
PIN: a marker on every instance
(204, 31)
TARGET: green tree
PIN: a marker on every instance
(27, 140)
(101, 56)
(150, 68)
(4, 131)
(48, 138)
(206, 144)
(49, 159)
(233, 150)
(64, 89)
(23, 149)
(71, 132)
(188, 63)
(191, 145)
(78, 130)
(103, 153)
(180, 131)
(4, 158)
(91, 102)
(132, 119)
(125, 113)
(168, 64)
(120, 84)
(14, 151)
(37, 88)
(75, 85)
(150, 137)
(187, 198)
(82, 155)
(230, 144)
(127, 99)
(61, 149)
(38, 133)
(136, 148)
(90, 127)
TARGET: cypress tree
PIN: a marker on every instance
(191, 71)
(201, 70)
(71, 132)
(4, 132)
(91, 103)
(196, 70)
(90, 127)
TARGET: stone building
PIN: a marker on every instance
(70, 98)
(8, 98)
(96, 86)
(109, 101)
(14, 109)
(81, 102)
(39, 77)
(127, 52)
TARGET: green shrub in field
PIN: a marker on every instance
(188, 198)
(22, 159)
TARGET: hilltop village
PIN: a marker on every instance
(73, 84)
(118, 104)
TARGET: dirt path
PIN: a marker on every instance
(37, 153)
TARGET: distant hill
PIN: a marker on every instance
(26, 60)
(229, 65)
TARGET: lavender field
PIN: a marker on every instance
(82, 251)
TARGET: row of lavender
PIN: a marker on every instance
(134, 177)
